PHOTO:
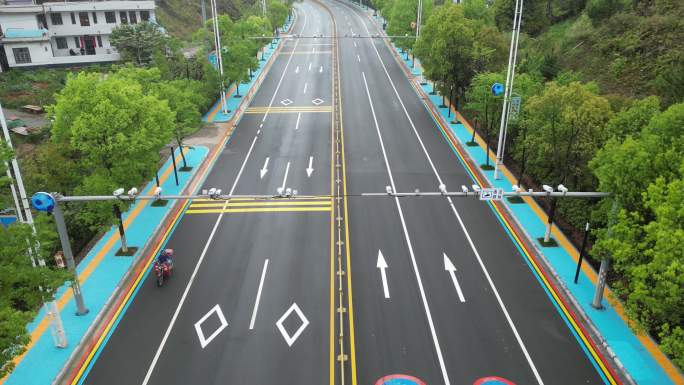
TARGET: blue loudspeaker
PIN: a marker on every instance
(43, 201)
(497, 89)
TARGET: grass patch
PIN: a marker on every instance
(130, 252)
(515, 200)
(551, 243)
(160, 203)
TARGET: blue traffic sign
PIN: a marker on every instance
(43, 201)
(399, 379)
(497, 89)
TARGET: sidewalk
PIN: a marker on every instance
(215, 115)
(100, 272)
(640, 356)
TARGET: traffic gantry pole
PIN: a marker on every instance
(68, 254)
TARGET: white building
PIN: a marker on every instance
(64, 33)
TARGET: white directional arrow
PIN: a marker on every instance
(382, 265)
(448, 266)
(309, 169)
(264, 169)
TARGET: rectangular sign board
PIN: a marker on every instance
(491, 194)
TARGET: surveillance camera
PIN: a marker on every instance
(562, 188)
(515, 188)
(218, 192)
(442, 189)
(547, 188)
(279, 190)
(212, 191)
(288, 192)
(464, 189)
(133, 191)
(476, 188)
(118, 192)
(295, 192)
(158, 191)
(388, 189)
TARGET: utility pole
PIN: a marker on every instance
(510, 75)
(605, 263)
(25, 216)
(219, 58)
(204, 12)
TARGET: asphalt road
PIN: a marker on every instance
(256, 291)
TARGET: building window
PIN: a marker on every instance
(42, 23)
(21, 55)
(83, 17)
(124, 17)
(99, 41)
(56, 18)
(73, 18)
(61, 43)
(110, 17)
(94, 18)
(77, 42)
(145, 15)
(133, 17)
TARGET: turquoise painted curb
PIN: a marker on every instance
(44, 361)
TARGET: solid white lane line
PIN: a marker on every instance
(463, 227)
(258, 297)
(194, 272)
(299, 116)
(423, 297)
(287, 170)
(270, 104)
(305, 85)
(449, 266)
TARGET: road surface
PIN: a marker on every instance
(326, 290)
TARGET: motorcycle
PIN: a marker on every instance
(163, 270)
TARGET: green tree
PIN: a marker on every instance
(402, 14)
(633, 119)
(114, 132)
(138, 42)
(277, 13)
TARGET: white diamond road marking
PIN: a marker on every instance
(286, 102)
(317, 101)
(305, 322)
(204, 341)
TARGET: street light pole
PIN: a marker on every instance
(219, 58)
(605, 263)
(510, 75)
(25, 216)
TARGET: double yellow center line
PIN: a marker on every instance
(250, 205)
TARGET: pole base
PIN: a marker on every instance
(83, 312)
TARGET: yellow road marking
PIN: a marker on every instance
(322, 198)
(253, 204)
(304, 52)
(260, 210)
(286, 110)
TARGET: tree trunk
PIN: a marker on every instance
(180, 146)
(549, 223)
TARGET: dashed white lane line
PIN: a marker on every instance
(309, 66)
(320, 69)
(462, 225)
(287, 170)
(423, 297)
(358, 58)
(297, 70)
(299, 116)
(258, 297)
(305, 86)
(194, 272)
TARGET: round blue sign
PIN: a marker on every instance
(497, 89)
(493, 380)
(399, 379)
(43, 201)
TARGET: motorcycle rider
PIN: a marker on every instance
(165, 258)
